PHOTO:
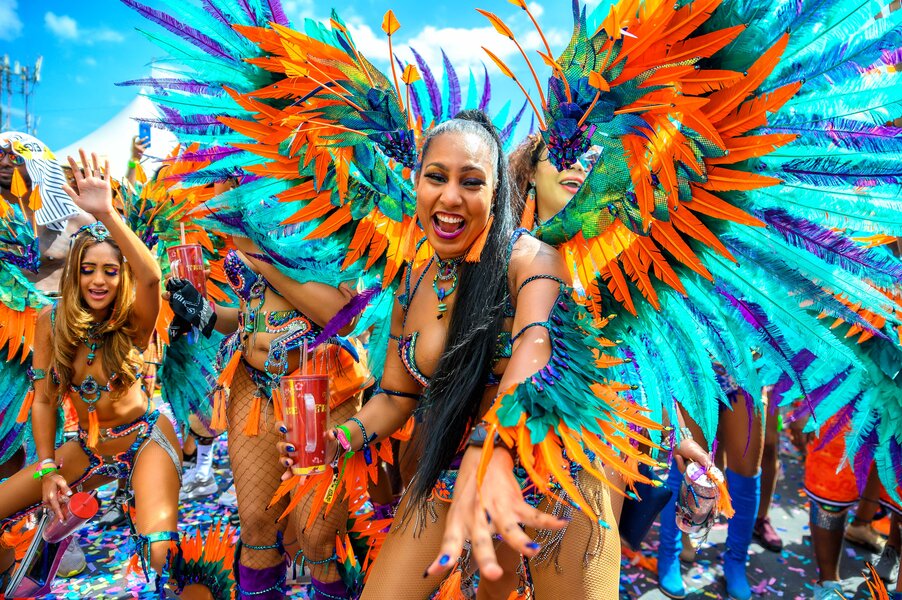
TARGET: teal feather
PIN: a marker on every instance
(816, 269)
(784, 316)
(840, 207)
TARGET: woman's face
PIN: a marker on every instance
(554, 188)
(99, 274)
(455, 188)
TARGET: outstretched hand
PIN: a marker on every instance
(498, 507)
(94, 194)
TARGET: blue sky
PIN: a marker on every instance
(89, 46)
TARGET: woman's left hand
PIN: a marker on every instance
(94, 194)
(497, 507)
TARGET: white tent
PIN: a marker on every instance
(113, 139)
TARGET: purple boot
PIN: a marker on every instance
(260, 584)
(335, 590)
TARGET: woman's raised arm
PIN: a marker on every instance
(95, 196)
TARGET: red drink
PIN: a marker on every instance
(305, 405)
(81, 507)
(187, 262)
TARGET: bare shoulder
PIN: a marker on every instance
(44, 317)
(43, 330)
(531, 257)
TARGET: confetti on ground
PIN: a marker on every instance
(788, 575)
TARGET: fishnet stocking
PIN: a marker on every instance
(586, 566)
(318, 541)
(257, 472)
(408, 550)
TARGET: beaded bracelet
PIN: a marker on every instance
(367, 453)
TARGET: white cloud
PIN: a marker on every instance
(536, 9)
(67, 29)
(463, 46)
(10, 23)
(61, 26)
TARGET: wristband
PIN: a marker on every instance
(343, 434)
(48, 460)
(39, 474)
(132, 164)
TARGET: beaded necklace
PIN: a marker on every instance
(445, 270)
(93, 342)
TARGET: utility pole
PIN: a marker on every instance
(20, 81)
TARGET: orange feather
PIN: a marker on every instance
(665, 235)
(724, 101)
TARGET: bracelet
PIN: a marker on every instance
(367, 453)
(45, 471)
(685, 433)
(132, 164)
(343, 434)
(48, 460)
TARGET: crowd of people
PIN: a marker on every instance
(512, 397)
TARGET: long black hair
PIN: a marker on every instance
(455, 391)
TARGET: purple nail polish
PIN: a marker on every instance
(290, 448)
(283, 429)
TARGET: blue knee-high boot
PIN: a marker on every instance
(670, 579)
(745, 492)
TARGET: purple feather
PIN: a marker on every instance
(895, 455)
(348, 312)
(212, 154)
(249, 11)
(799, 362)
(201, 40)
(214, 10)
(453, 87)
(276, 14)
(183, 85)
(832, 247)
(840, 420)
(509, 128)
(892, 57)
(845, 133)
(814, 398)
(486, 90)
(173, 120)
(435, 95)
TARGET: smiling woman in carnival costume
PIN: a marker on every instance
(88, 346)
(677, 231)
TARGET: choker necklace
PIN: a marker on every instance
(445, 270)
(93, 342)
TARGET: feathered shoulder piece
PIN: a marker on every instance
(552, 415)
(730, 150)
(343, 138)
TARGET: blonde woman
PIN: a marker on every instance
(88, 346)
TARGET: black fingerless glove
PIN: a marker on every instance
(177, 328)
(190, 305)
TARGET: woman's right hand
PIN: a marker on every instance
(55, 493)
(286, 449)
(691, 451)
